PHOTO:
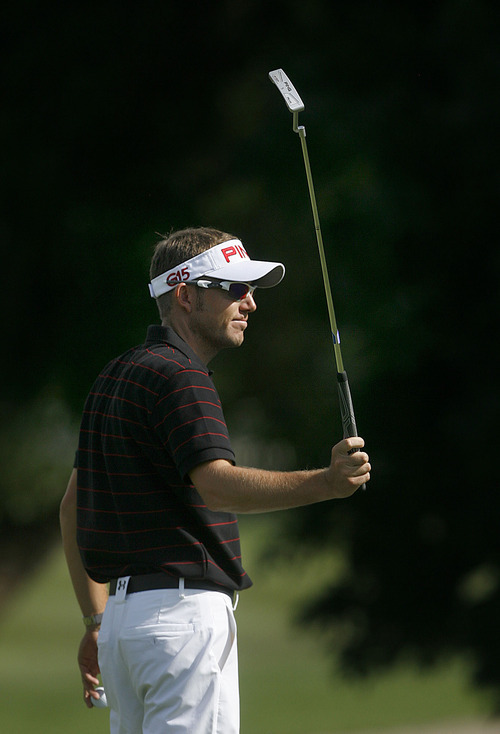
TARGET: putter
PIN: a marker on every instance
(295, 105)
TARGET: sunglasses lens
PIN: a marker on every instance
(239, 290)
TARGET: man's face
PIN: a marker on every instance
(218, 320)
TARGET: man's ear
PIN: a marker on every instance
(184, 297)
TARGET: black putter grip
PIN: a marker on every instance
(347, 410)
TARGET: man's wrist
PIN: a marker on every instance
(93, 621)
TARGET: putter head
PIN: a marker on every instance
(290, 94)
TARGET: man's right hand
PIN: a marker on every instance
(348, 471)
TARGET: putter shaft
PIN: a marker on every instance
(295, 105)
(324, 268)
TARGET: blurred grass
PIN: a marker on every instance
(287, 684)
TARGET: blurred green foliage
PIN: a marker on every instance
(37, 446)
(121, 122)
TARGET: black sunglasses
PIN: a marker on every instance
(237, 291)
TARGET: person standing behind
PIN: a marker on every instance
(151, 505)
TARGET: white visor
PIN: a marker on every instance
(227, 261)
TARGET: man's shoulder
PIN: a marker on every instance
(165, 348)
(162, 358)
(166, 362)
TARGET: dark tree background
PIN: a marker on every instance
(124, 120)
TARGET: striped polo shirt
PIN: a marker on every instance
(152, 415)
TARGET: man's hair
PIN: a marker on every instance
(176, 248)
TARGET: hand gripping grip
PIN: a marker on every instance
(347, 410)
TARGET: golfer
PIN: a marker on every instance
(151, 505)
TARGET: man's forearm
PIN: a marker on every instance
(91, 596)
(254, 490)
(228, 488)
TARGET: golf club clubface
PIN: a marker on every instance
(295, 105)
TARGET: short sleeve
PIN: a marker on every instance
(189, 420)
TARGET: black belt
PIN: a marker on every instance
(150, 581)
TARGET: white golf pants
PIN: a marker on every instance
(169, 663)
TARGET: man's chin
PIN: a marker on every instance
(235, 339)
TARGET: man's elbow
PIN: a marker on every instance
(67, 507)
(214, 502)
